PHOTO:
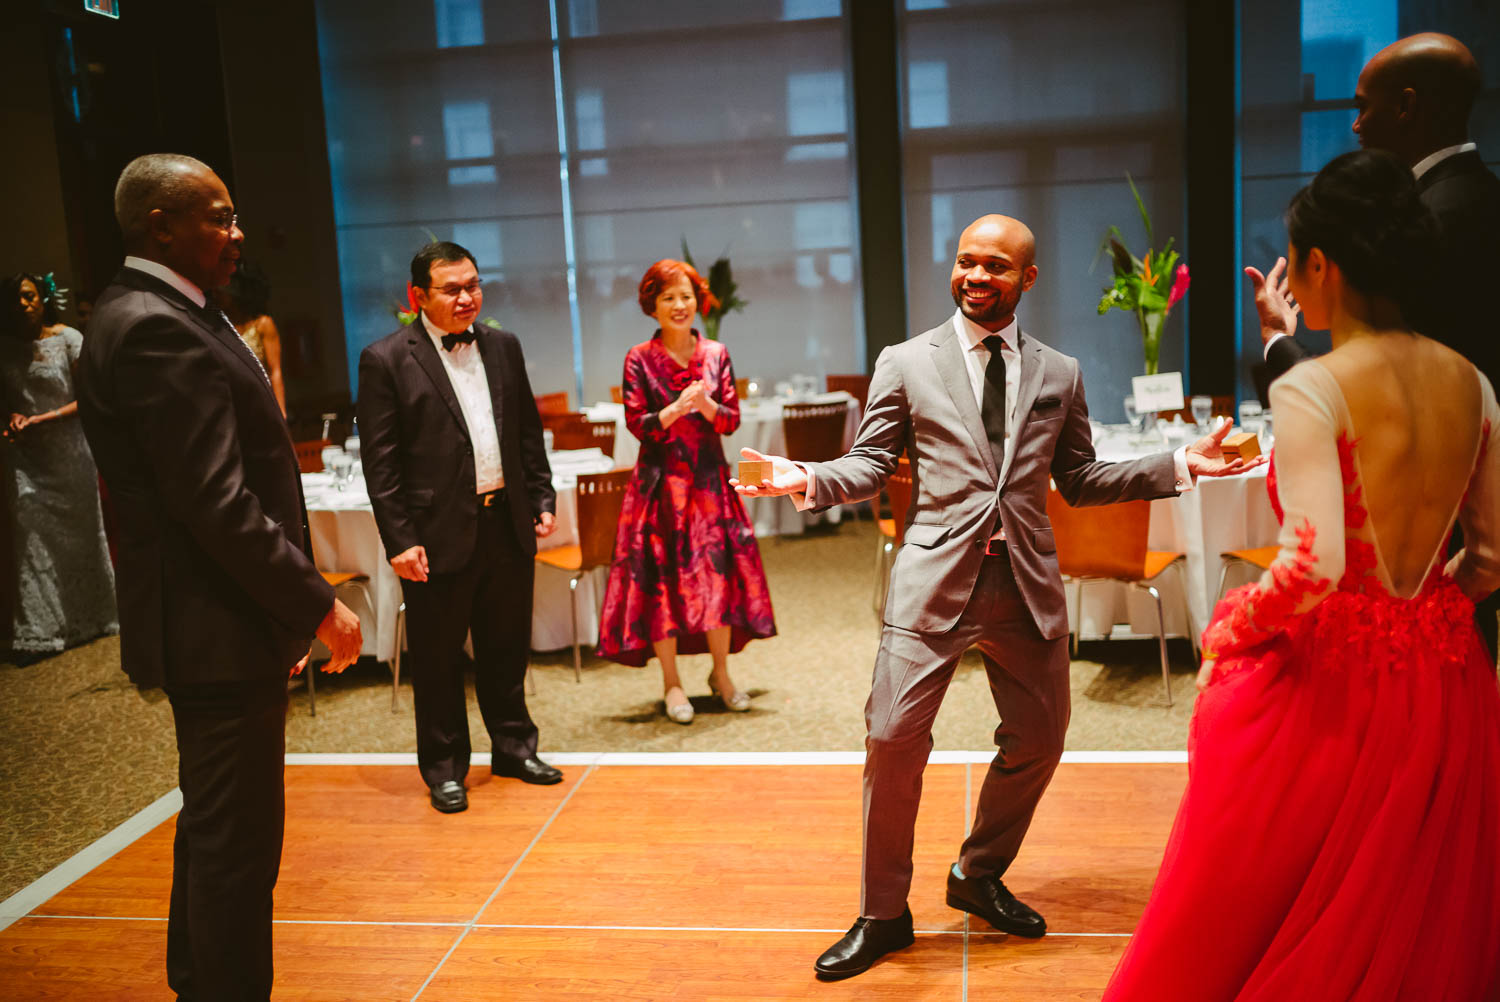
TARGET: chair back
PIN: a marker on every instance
(742, 387)
(899, 488)
(574, 430)
(310, 455)
(857, 386)
(552, 403)
(1107, 541)
(814, 432)
(617, 394)
(600, 496)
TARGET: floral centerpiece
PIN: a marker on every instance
(722, 285)
(1147, 286)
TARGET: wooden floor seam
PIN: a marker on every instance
(616, 884)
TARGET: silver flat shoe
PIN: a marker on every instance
(682, 713)
(739, 702)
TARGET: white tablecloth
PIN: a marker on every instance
(344, 538)
(1219, 514)
(760, 429)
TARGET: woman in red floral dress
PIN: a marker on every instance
(1339, 838)
(686, 575)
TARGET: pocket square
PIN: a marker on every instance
(1047, 403)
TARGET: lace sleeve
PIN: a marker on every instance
(1476, 568)
(1310, 484)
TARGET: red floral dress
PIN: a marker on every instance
(685, 556)
(1339, 838)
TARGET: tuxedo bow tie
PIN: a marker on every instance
(451, 341)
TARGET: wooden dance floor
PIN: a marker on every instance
(660, 881)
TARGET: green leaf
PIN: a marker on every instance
(1145, 216)
(687, 255)
(1152, 301)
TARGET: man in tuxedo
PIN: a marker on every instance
(458, 476)
(1414, 99)
(218, 595)
(987, 414)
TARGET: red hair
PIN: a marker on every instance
(662, 274)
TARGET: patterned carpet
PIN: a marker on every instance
(84, 750)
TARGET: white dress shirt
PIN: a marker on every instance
(977, 358)
(1422, 167)
(158, 270)
(465, 368)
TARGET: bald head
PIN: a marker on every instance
(174, 210)
(994, 265)
(1415, 95)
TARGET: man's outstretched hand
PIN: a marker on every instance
(1205, 457)
(786, 477)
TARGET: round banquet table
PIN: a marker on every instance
(1217, 515)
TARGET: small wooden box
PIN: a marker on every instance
(753, 471)
(1241, 445)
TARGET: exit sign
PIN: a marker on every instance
(109, 8)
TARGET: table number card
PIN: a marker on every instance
(1154, 394)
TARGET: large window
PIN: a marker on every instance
(1037, 111)
(722, 125)
(1300, 62)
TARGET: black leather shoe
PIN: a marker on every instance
(868, 941)
(449, 797)
(988, 898)
(527, 770)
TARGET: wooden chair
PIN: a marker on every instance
(1108, 543)
(893, 529)
(574, 430)
(1260, 558)
(552, 403)
(617, 394)
(310, 455)
(742, 387)
(1223, 407)
(814, 432)
(600, 496)
(361, 583)
(857, 386)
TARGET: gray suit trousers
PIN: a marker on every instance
(1029, 682)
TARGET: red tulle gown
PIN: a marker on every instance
(1339, 838)
(685, 556)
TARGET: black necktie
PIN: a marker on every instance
(451, 341)
(993, 410)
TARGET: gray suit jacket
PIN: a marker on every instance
(921, 400)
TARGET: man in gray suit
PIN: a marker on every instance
(987, 413)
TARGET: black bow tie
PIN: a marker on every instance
(451, 341)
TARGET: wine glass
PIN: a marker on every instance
(342, 465)
(1136, 418)
(1250, 411)
(1203, 409)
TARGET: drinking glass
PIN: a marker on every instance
(342, 465)
(547, 439)
(1203, 409)
(327, 455)
(1137, 420)
(1250, 411)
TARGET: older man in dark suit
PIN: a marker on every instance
(1414, 99)
(989, 415)
(219, 598)
(458, 476)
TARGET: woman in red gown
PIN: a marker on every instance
(686, 576)
(1339, 838)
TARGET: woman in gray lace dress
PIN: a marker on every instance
(64, 585)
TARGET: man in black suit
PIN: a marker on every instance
(1414, 98)
(218, 595)
(458, 476)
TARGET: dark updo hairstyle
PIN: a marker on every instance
(1362, 211)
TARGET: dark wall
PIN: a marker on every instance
(274, 106)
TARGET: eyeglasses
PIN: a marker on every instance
(224, 220)
(453, 291)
